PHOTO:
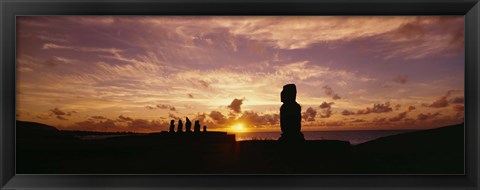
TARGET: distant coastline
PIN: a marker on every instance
(352, 136)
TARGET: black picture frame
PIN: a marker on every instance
(9, 9)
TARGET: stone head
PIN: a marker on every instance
(289, 93)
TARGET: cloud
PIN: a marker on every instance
(328, 91)
(255, 119)
(204, 83)
(332, 123)
(336, 97)
(43, 116)
(380, 121)
(326, 105)
(458, 108)
(411, 108)
(114, 51)
(108, 125)
(326, 109)
(57, 111)
(51, 62)
(452, 92)
(161, 106)
(98, 117)
(377, 108)
(133, 75)
(170, 115)
(217, 117)
(443, 101)
(309, 114)
(100, 21)
(61, 115)
(457, 100)
(398, 106)
(278, 31)
(427, 116)
(359, 120)
(236, 104)
(439, 103)
(425, 36)
(89, 125)
(143, 125)
(399, 117)
(347, 112)
(301, 70)
(149, 107)
(164, 106)
(122, 118)
(201, 117)
(53, 37)
(401, 79)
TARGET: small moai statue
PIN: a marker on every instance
(205, 129)
(188, 126)
(172, 126)
(196, 128)
(180, 126)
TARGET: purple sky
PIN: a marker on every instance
(136, 73)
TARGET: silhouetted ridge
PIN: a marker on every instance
(37, 130)
(439, 150)
(443, 136)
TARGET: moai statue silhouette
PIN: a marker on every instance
(188, 126)
(172, 126)
(290, 115)
(196, 127)
(180, 126)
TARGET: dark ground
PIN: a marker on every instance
(42, 149)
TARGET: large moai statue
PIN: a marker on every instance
(180, 126)
(290, 115)
(196, 127)
(172, 126)
(188, 126)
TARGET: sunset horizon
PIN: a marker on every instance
(136, 73)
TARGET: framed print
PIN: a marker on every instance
(309, 94)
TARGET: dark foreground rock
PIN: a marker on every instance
(44, 149)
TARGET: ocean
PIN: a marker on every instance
(354, 137)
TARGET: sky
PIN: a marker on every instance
(136, 73)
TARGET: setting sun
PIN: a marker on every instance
(238, 128)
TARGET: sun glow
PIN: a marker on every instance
(238, 128)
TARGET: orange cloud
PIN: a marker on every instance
(439, 103)
(236, 104)
(328, 91)
(309, 114)
(326, 109)
(377, 108)
(427, 116)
